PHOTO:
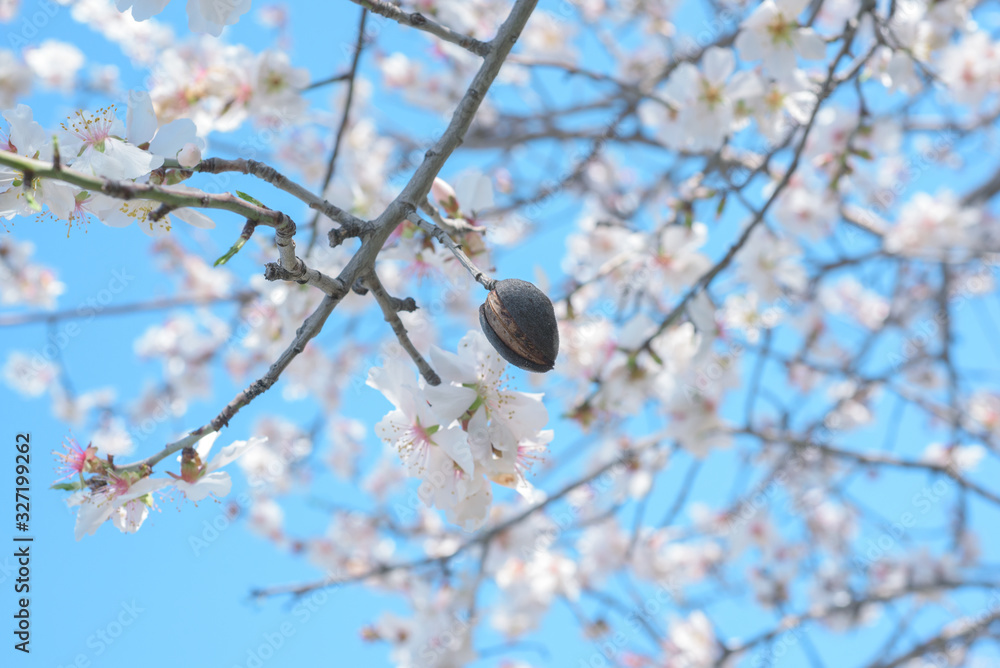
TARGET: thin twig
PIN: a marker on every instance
(89, 312)
(430, 228)
(390, 308)
(421, 22)
(279, 180)
(345, 117)
(176, 199)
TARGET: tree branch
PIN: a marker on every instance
(123, 309)
(275, 178)
(175, 199)
(421, 22)
(390, 310)
(345, 117)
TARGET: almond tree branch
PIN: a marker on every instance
(877, 459)
(309, 329)
(962, 636)
(984, 192)
(169, 449)
(477, 274)
(390, 310)
(419, 184)
(344, 118)
(329, 80)
(482, 538)
(421, 22)
(303, 275)
(278, 180)
(854, 606)
(121, 309)
(176, 199)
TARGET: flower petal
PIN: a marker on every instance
(218, 483)
(718, 64)
(449, 402)
(810, 45)
(140, 119)
(205, 445)
(194, 218)
(172, 137)
(234, 450)
(454, 442)
(92, 514)
(451, 367)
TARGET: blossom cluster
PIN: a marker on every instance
(465, 433)
(208, 16)
(97, 143)
(125, 495)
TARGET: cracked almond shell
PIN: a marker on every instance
(519, 321)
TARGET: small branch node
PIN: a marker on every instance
(160, 213)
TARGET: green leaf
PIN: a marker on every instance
(32, 202)
(68, 486)
(656, 358)
(250, 199)
(232, 251)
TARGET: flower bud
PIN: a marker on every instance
(189, 156)
(445, 196)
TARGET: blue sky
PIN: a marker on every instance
(178, 589)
